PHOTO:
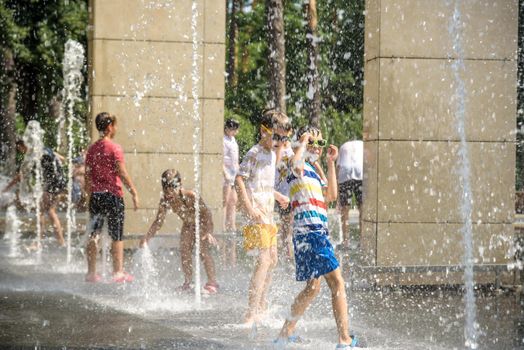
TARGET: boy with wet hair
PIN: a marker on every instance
(311, 192)
(182, 202)
(256, 186)
(105, 173)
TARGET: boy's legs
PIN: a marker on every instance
(207, 259)
(115, 225)
(285, 233)
(344, 216)
(340, 307)
(187, 242)
(229, 243)
(300, 304)
(257, 284)
(51, 212)
(117, 252)
(273, 255)
(96, 221)
(91, 252)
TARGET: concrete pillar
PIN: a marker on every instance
(140, 64)
(411, 187)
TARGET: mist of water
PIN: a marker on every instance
(195, 78)
(31, 190)
(13, 230)
(149, 275)
(72, 70)
(458, 68)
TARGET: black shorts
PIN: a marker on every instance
(108, 205)
(346, 191)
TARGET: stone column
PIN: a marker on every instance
(140, 64)
(412, 191)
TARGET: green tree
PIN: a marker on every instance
(36, 34)
(340, 44)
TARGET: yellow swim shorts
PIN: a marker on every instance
(259, 236)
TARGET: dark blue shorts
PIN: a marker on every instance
(314, 255)
(106, 205)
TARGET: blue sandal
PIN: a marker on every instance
(354, 344)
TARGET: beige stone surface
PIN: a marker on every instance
(489, 31)
(441, 244)
(370, 181)
(418, 182)
(212, 180)
(145, 169)
(213, 126)
(152, 124)
(215, 21)
(372, 30)
(213, 73)
(436, 278)
(371, 105)
(147, 20)
(418, 100)
(368, 242)
(138, 69)
(137, 223)
(141, 63)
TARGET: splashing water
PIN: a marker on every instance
(13, 227)
(149, 281)
(458, 68)
(73, 78)
(31, 188)
(104, 242)
(195, 78)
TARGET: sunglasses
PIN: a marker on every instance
(317, 143)
(266, 129)
(280, 138)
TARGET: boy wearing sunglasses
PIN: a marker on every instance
(182, 202)
(311, 192)
(256, 187)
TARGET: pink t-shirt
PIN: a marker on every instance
(102, 158)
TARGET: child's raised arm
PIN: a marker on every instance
(332, 187)
(297, 163)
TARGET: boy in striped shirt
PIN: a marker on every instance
(310, 192)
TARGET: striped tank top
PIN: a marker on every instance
(307, 201)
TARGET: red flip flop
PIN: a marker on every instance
(125, 278)
(93, 278)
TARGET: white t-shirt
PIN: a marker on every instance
(350, 161)
(230, 156)
(258, 171)
(282, 171)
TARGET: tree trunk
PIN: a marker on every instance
(8, 116)
(277, 55)
(313, 93)
(233, 50)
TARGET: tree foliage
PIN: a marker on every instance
(341, 44)
(35, 31)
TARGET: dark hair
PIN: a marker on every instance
(20, 142)
(231, 124)
(171, 179)
(103, 120)
(307, 128)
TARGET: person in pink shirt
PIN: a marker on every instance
(105, 173)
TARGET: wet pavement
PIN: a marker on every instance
(49, 306)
